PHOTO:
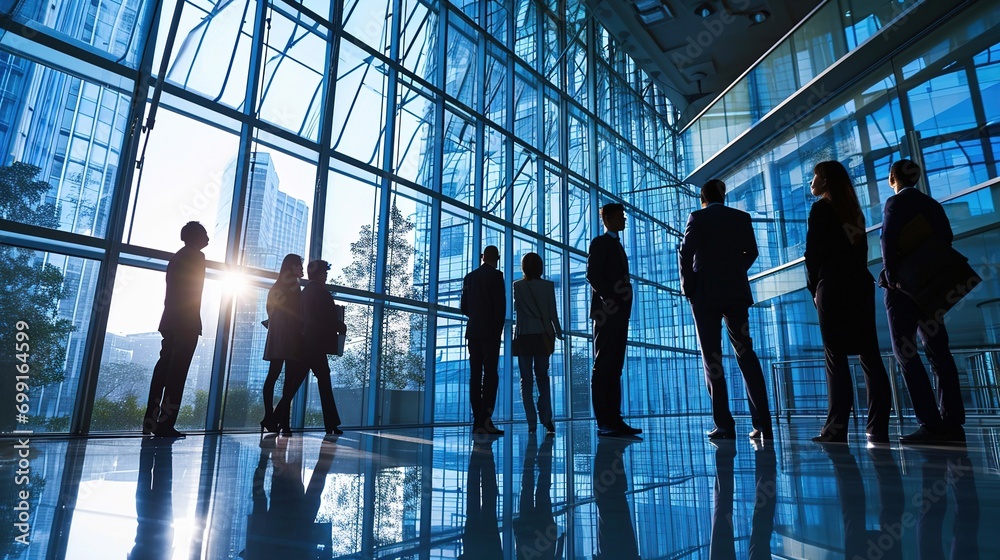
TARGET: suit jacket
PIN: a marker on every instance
(607, 272)
(319, 318)
(830, 257)
(839, 279)
(900, 209)
(185, 282)
(717, 251)
(535, 307)
(484, 302)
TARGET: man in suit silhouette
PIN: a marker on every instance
(906, 318)
(180, 326)
(718, 248)
(610, 309)
(484, 302)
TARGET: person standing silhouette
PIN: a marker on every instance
(610, 309)
(536, 328)
(321, 328)
(906, 319)
(717, 251)
(844, 294)
(283, 345)
(484, 302)
(180, 326)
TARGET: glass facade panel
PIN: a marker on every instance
(115, 28)
(65, 134)
(395, 143)
(132, 347)
(184, 181)
(212, 53)
(46, 343)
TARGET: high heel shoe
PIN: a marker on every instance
(267, 425)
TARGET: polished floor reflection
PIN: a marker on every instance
(440, 493)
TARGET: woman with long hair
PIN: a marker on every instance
(535, 331)
(843, 291)
(284, 332)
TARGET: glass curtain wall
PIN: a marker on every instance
(393, 138)
(830, 33)
(935, 103)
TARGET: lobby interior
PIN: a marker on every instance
(398, 138)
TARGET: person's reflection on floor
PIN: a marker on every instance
(722, 546)
(481, 536)
(287, 528)
(851, 490)
(887, 542)
(615, 532)
(154, 537)
(536, 534)
(765, 499)
(944, 470)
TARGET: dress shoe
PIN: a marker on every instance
(830, 437)
(925, 435)
(629, 430)
(761, 434)
(608, 432)
(550, 428)
(719, 433)
(877, 439)
(491, 428)
(167, 432)
(955, 434)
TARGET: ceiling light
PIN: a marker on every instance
(704, 10)
(759, 16)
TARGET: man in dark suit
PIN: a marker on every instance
(718, 248)
(484, 302)
(180, 326)
(322, 327)
(610, 309)
(906, 318)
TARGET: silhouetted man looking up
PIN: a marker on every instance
(180, 326)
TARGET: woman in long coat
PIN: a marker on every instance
(284, 331)
(843, 291)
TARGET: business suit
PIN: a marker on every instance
(718, 248)
(844, 293)
(610, 309)
(320, 330)
(180, 326)
(906, 319)
(536, 316)
(484, 302)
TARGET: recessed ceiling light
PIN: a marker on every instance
(760, 16)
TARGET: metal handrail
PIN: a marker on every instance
(979, 373)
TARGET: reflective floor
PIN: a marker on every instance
(438, 493)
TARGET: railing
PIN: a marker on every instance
(799, 386)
